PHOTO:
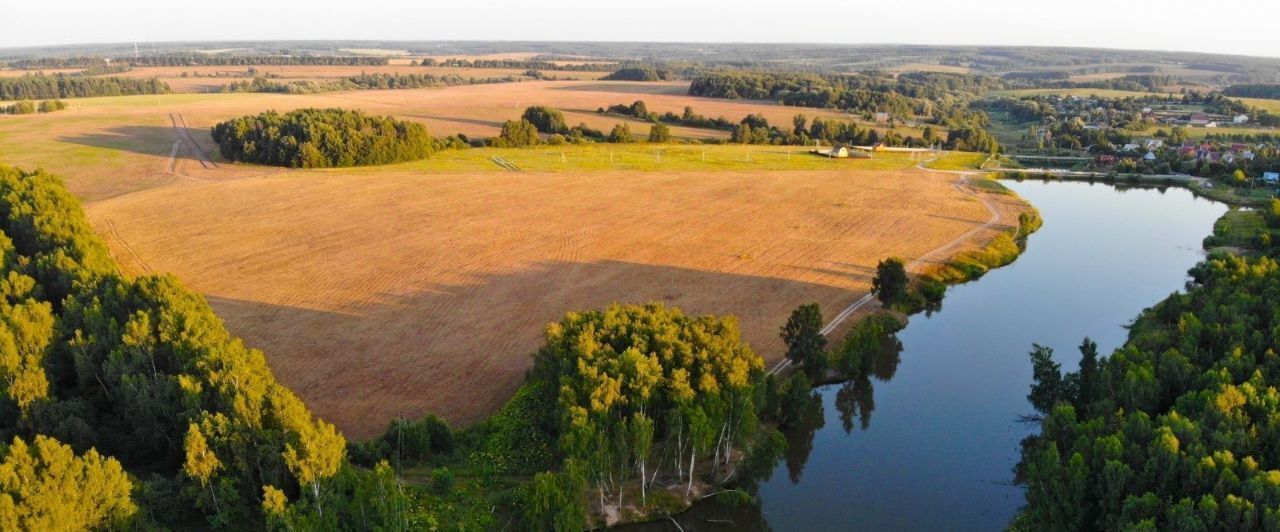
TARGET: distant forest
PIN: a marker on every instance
(1270, 92)
(39, 87)
(360, 82)
(196, 59)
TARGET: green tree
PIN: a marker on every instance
(659, 133)
(546, 119)
(517, 134)
(1047, 386)
(890, 282)
(621, 134)
(45, 486)
(806, 345)
(201, 463)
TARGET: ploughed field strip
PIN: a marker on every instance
(392, 293)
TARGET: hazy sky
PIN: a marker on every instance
(1249, 27)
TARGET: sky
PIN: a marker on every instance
(1248, 27)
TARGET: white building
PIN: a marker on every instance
(1240, 119)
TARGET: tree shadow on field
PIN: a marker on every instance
(638, 87)
(460, 120)
(146, 140)
(461, 350)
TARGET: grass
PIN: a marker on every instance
(987, 183)
(958, 161)
(1237, 229)
(1236, 196)
(1270, 105)
(640, 157)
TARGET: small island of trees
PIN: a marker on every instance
(321, 138)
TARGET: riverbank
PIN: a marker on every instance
(934, 422)
(1198, 186)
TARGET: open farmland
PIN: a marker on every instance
(424, 286)
(405, 292)
(115, 145)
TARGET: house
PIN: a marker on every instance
(1211, 124)
(1130, 147)
(882, 118)
(1150, 156)
(1228, 158)
(1240, 119)
(836, 152)
(1186, 150)
(1105, 160)
(1238, 147)
(1248, 155)
(1271, 177)
(1199, 119)
(1154, 144)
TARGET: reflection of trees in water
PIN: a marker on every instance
(800, 437)
(856, 397)
(855, 400)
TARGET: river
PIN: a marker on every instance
(933, 436)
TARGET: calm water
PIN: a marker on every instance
(932, 438)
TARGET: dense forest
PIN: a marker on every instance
(40, 87)
(1270, 92)
(321, 138)
(1179, 429)
(528, 64)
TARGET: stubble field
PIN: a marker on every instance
(424, 287)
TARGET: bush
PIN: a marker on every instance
(321, 138)
(517, 134)
(659, 133)
(621, 134)
(546, 119)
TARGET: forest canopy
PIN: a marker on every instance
(1179, 429)
(41, 87)
(321, 138)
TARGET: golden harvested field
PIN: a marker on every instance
(425, 286)
(111, 146)
(388, 294)
(212, 78)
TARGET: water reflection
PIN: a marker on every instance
(947, 391)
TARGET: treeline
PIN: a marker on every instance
(321, 138)
(903, 96)
(527, 64)
(1132, 82)
(139, 374)
(639, 73)
(1177, 429)
(946, 100)
(359, 82)
(1270, 92)
(198, 59)
(26, 107)
(53, 87)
